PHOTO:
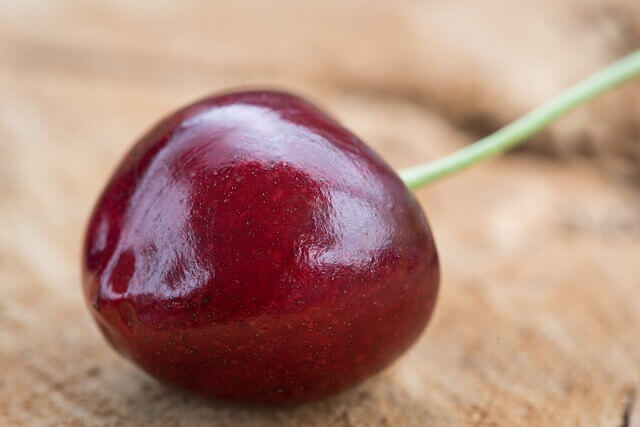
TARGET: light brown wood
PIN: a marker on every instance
(538, 318)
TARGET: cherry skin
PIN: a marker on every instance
(251, 249)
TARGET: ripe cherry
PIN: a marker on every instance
(250, 248)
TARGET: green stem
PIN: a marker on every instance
(526, 126)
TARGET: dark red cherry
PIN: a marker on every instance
(249, 248)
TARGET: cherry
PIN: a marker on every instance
(249, 248)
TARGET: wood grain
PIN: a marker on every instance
(537, 322)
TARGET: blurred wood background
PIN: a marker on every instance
(539, 316)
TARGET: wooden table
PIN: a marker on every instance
(538, 318)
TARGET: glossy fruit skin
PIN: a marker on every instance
(251, 249)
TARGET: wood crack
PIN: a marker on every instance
(628, 408)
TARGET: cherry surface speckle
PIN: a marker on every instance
(249, 248)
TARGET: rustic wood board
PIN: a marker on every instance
(537, 322)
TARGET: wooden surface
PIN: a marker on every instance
(539, 316)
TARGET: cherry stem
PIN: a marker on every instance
(518, 131)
